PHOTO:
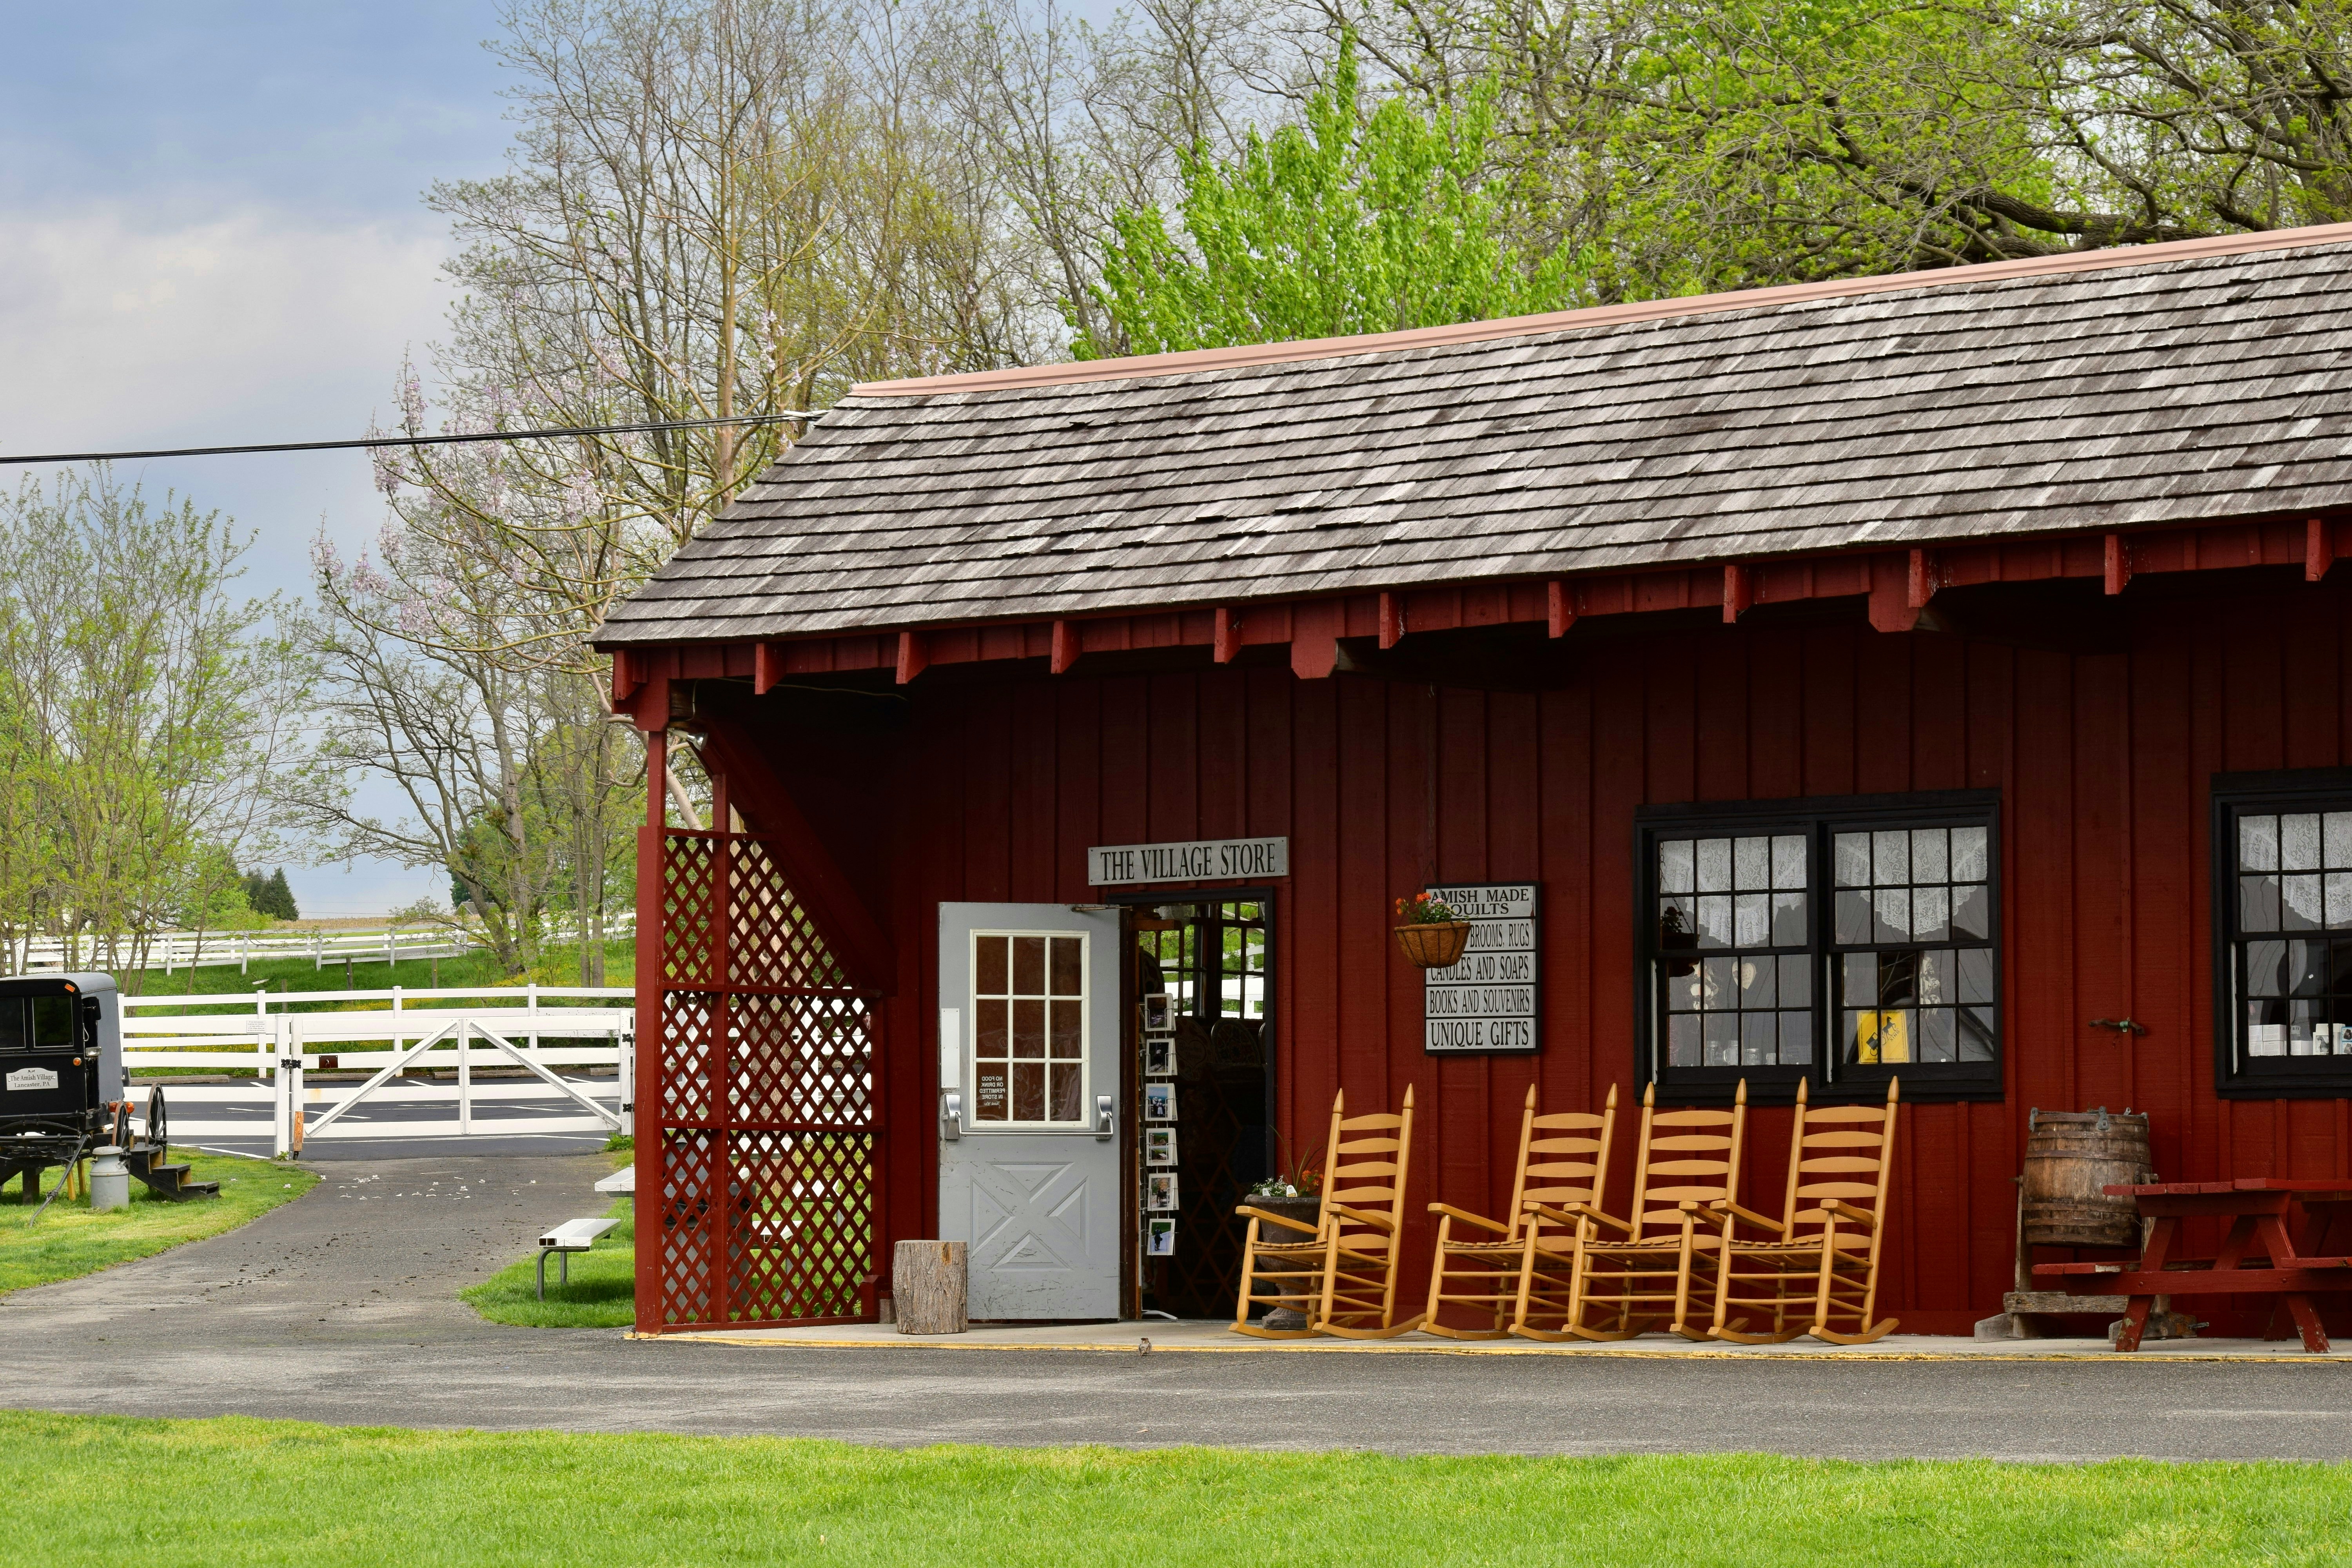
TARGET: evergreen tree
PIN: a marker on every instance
(277, 898)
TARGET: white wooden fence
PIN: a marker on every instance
(395, 1035)
(172, 952)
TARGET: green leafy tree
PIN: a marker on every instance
(1365, 218)
(1688, 145)
(144, 704)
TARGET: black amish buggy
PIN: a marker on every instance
(61, 1086)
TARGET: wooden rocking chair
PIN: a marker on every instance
(1815, 1271)
(1667, 1255)
(1523, 1264)
(1342, 1274)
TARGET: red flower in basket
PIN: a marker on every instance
(1429, 932)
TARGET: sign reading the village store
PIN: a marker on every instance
(1189, 860)
(1487, 1002)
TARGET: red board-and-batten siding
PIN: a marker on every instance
(996, 788)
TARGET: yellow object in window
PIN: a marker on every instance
(1881, 1036)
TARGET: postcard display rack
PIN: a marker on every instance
(1159, 1194)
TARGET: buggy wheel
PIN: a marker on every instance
(119, 1130)
(157, 1133)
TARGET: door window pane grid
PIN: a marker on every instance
(1213, 962)
(1028, 1028)
(1173, 951)
(1241, 933)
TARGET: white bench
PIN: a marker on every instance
(572, 1236)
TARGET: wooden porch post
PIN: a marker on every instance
(647, 1131)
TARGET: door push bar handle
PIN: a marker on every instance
(1105, 1116)
(951, 1115)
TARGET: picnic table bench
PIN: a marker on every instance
(572, 1236)
(2257, 1257)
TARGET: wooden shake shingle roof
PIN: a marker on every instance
(2116, 389)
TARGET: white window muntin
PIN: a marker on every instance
(1032, 1037)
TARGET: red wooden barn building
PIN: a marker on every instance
(1939, 675)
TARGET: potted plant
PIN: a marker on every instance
(1430, 933)
(1294, 1193)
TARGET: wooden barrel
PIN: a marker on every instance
(2069, 1156)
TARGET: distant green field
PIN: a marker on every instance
(557, 966)
(111, 1490)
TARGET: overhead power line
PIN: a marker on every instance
(415, 441)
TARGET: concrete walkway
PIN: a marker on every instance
(340, 1308)
(1218, 1336)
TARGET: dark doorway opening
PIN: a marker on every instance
(1213, 960)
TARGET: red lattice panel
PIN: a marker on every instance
(766, 1069)
(772, 942)
(689, 1198)
(689, 907)
(690, 1057)
(800, 1061)
(800, 1225)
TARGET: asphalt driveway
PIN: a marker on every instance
(340, 1308)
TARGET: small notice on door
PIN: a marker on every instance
(1489, 1001)
(32, 1078)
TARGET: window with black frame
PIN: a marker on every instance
(2283, 928)
(1837, 939)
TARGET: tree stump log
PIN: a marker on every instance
(928, 1286)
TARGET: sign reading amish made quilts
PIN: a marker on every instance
(1193, 861)
(1487, 1002)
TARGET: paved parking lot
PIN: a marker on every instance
(340, 1308)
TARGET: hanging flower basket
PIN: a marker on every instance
(1434, 944)
(1431, 937)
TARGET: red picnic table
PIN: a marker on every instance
(2257, 1211)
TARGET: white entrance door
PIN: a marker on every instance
(1029, 1136)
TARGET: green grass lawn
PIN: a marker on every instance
(111, 1490)
(602, 1295)
(70, 1241)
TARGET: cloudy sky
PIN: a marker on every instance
(210, 233)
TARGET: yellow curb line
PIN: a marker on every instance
(2101, 1357)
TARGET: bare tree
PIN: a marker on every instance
(460, 735)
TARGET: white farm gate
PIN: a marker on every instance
(420, 1049)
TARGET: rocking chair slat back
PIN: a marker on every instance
(1700, 1163)
(1563, 1160)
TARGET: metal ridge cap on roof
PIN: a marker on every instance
(1139, 366)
